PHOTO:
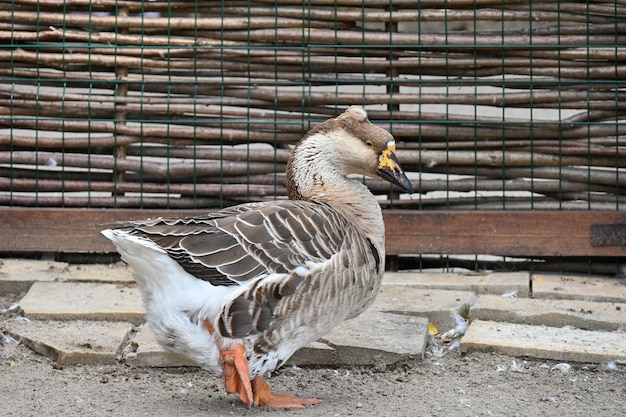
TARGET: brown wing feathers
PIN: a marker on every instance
(254, 311)
(240, 245)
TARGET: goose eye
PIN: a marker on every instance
(369, 143)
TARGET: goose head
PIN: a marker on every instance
(336, 148)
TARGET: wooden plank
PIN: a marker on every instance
(65, 230)
(506, 233)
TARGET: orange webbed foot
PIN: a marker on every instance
(263, 395)
(237, 379)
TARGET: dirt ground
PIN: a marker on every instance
(475, 384)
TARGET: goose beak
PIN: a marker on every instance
(390, 170)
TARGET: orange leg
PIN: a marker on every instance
(237, 379)
(237, 373)
(263, 395)
(234, 367)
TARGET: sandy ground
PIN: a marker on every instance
(475, 384)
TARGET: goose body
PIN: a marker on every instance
(239, 290)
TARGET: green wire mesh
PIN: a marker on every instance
(494, 104)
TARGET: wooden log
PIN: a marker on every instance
(168, 190)
(562, 188)
(163, 170)
(134, 23)
(358, 14)
(59, 104)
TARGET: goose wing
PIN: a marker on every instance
(272, 249)
(303, 265)
(238, 244)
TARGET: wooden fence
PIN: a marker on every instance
(496, 105)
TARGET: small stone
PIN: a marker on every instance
(548, 398)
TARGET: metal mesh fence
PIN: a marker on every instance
(494, 104)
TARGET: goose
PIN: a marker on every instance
(239, 290)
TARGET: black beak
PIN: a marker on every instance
(390, 170)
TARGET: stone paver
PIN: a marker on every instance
(488, 283)
(314, 354)
(584, 315)
(98, 303)
(147, 352)
(114, 273)
(83, 301)
(575, 287)
(561, 344)
(17, 275)
(375, 336)
(71, 343)
(438, 306)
